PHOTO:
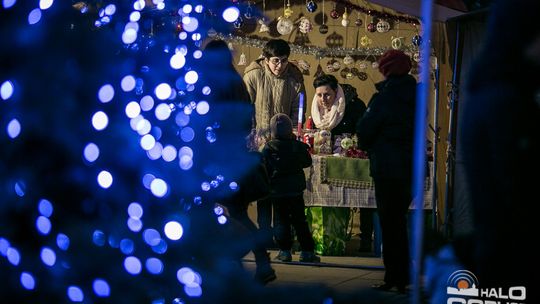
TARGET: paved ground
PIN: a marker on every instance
(348, 278)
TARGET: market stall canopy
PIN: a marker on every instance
(442, 9)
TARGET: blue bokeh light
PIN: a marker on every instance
(230, 14)
(154, 265)
(13, 256)
(98, 237)
(100, 120)
(169, 153)
(187, 134)
(193, 290)
(45, 4)
(139, 5)
(163, 91)
(129, 36)
(159, 187)
(101, 288)
(187, 8)
(147, 180)
(110, 9)
(135, 210)
(133, 109)
(91, 152)
(48, 256)
(20, 188)
(75, 294)
(43, 225)
(135, 16)
(13, 128)
(127, 246)
(182, 119)
(128, 83)
(186, 162)
(147, 142)
(62, 241)
(191, 77)
(104, 179)
(34, 16)
(222, 219)
(155, 152)
(6, 90)
(9, 3)
(28, 281)
(4, 245)
(160, 248)
(205, 186)
(163, 111)
(147, 103)
(45, 207)
(177, 61)
(132, 265)
(106, 93)
(134, 224)
(190, 24)
(143, 126)
(151, 236)
(173, 230)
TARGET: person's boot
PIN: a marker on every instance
(309, 257)
(284, 256)
(265, 274)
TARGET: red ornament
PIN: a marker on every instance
(372, 27)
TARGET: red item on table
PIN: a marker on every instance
(309, 123)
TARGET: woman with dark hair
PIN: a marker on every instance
(337, 108)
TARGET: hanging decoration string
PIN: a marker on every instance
(378, 14)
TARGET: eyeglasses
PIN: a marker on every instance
(276, 60)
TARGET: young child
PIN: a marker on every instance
(285, 159)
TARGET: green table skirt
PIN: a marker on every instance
(329, 229)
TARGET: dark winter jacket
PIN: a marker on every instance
(386, 130)
(285, 161)
(354, 109)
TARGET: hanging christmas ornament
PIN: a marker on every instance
(362, 65)
(362, 76)
(242, 60)
(416, 40)
(348, 60)
(304, 25)
(372, 27)
(330, 67)
(304, 66)
(284, 26)
(345, 21)
(416, 56)
(238, 22)
(358, 21)
(334, 40)
(397, 42)
(264, 28)
(383, 26)
(249, 11)
(365, 41)
(311, 6)
(334, 13)
(323, 29)
(336, 65)
(344, 72)
(211, 32)
(288, 11)
(375, 65)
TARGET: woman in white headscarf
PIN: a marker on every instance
(335, 107)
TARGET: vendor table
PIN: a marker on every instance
(334, 181)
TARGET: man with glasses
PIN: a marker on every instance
(274, 86)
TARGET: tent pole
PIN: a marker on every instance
(435, 129)
(450, 151)
(419, 150)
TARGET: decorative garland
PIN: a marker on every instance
(318, 52)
